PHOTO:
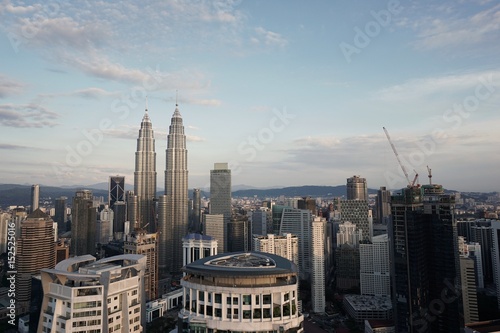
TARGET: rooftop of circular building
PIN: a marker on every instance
(242, 264)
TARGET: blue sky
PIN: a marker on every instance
(288, 92)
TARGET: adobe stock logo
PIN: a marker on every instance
(372, 29)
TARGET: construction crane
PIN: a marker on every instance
(397, 156)
(415, 179)
(430, 175)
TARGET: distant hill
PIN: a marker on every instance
(297, 191)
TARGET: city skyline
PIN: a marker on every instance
(287, 94)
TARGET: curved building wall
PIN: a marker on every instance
(263, 300)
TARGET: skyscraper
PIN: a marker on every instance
(116, 190)
(425, 261)
(383, 205)
(357, 188)
(318, 264)
(83, 224)
(35, 250)
(196, 214)
(145, 175)
(140, 242)
(176, 188)
(220, 197)
(60, 216)
(35, 197)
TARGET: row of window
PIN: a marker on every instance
(246, 299)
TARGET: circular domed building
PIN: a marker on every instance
(240, 292)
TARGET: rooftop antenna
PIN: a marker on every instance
(146, 103)
(430, 175)
(176, 97)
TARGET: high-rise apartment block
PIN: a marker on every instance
(286, 245)
(145, 175)
(141, 242)
(83, 224)
(85, 295)
(375, 278)
(348, 233)
(318, 264)
(469, 290)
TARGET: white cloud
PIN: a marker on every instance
(267, 37)
(446, 84)
(451, 30)
(9, 86)
(27, 115)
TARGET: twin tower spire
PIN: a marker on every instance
(166, 214)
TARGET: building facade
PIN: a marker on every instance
(141, 242)
(145, 175)
(83, 224)
(318, 234)
(176, 189)
(246, 292)
(357, 188)
(375, 272)
(198, 246)
(85, 295)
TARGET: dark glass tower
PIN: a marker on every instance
(425, 261)
(116, 190)
(83, 224)
(145, 176)
(60, 216)
(176, 190)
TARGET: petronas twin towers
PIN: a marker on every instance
(172, 211)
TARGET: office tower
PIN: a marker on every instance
(35, 250)
(213, 225)
(469, 291)
(286, 246)
(196, 214)
(35, 197)
(307, 203)
(235, 299)
(425, 262)
(383, 205)
(60, 216)
(259, 222)
(495, 226)
(85, 295)
(318, 264)
(357, 188)
(140, 242)
(62, 251)
(132, 202)
(83, 224)
(145, 175)
(482, 233)
(357, 212)
(119, 218)
(197, 246)
(220, 197)
(239, 235)
(276, 214)
(116, 190)
(348, 233)
(298, 222)
(176, 187)
(347, 267)
(104, 232)
(375, 275)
